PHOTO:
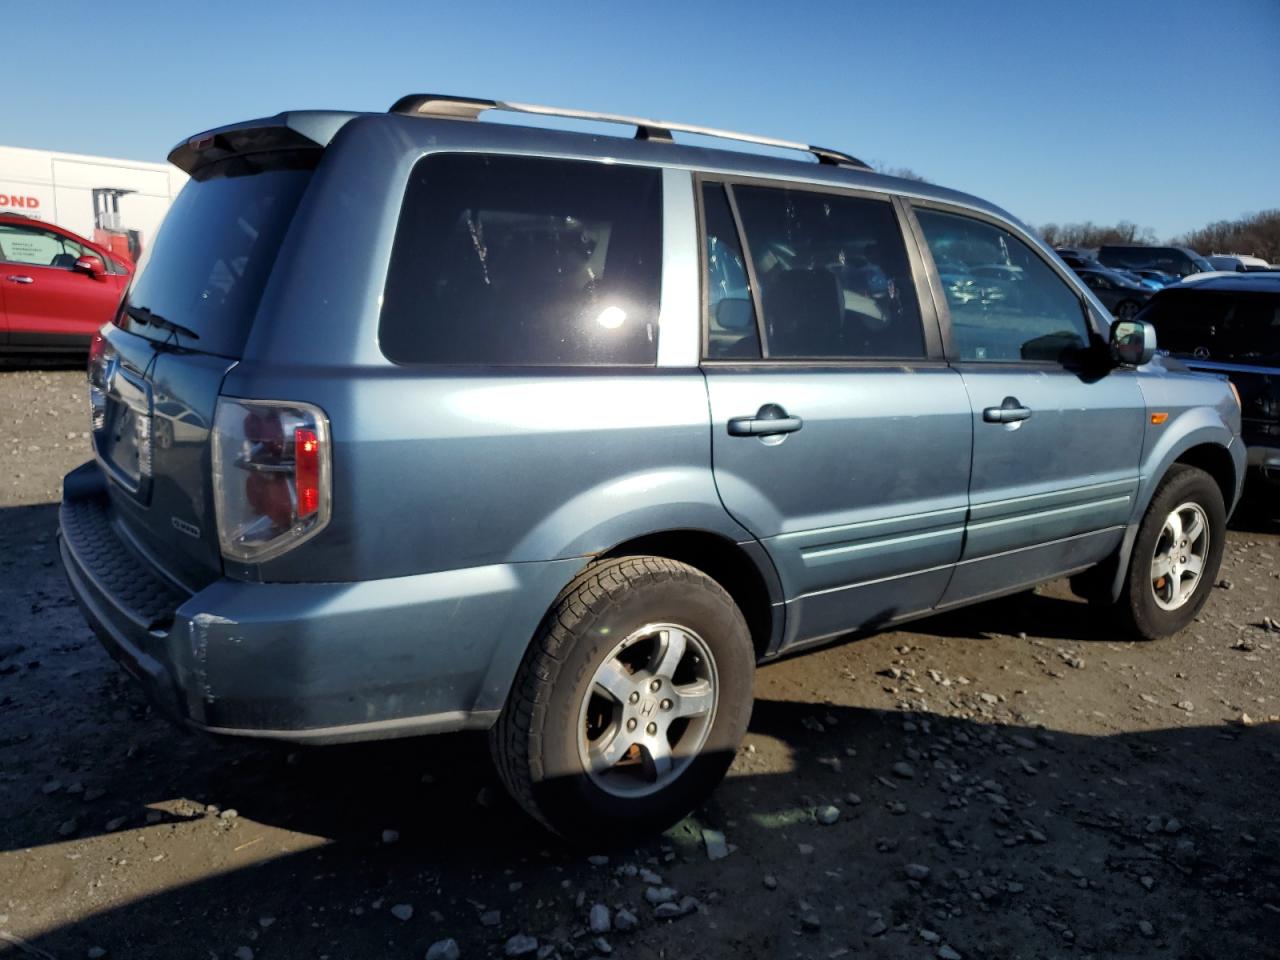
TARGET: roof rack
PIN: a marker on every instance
(470, 108)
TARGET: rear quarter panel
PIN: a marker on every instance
(437, 470)
(447, 467)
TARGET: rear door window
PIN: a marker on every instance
(834, 278)
(525, 261)
(1006, 302)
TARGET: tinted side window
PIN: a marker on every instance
(1006, 302)
(521, 260)
(834, 277)
(1123, 258)
(731, 316)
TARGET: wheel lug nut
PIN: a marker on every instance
(635, 696)
(651, 729)
(654, 685)
(631, 725)
(666, 704)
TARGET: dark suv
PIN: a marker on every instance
(578, 428)
(1231, 326)
(1178, 261)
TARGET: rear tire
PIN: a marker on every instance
(630, 703)
(1176, 555)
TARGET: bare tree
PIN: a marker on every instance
(1256, 234)
(1090, 234)
(905, 173)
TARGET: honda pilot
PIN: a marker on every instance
(415, 423)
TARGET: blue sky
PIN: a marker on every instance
(1163, 113)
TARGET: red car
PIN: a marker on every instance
(56, 287)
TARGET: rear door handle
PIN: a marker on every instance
(769, 420)
(1010, 410)
(18, 279)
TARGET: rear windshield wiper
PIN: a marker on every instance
(144, 316)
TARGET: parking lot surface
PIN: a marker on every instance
(1013, 780)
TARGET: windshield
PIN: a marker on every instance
(200, 282)
(1217, 325)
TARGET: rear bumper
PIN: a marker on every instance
(306, 662)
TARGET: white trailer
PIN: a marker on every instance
(87, 194)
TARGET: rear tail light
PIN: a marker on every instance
(100, 354)
(271, 476)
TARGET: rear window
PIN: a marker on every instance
(1217, 325)
(525, 261)
(215, 250)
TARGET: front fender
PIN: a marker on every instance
(1193, 429)
(1167, 443)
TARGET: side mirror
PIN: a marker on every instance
(91, 265)
(1133, 342)
(735, 314)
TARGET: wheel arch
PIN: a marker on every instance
(743, 569)
(1209, 449)
(1215, 460)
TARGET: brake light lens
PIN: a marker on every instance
(271, 476)
(306, 454)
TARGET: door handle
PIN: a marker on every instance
(769, 420)
(1010, 410)
(18, 279)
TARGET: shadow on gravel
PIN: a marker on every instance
(1259, 509)
(1027, 834)
(21, 525)
(1037, 614)
(1037, 842)
(40, 362)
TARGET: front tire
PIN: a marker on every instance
(1176, 554)
(630, 703)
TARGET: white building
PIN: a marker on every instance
(85, 194)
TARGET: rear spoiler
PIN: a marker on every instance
(296, 130)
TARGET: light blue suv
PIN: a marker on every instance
(414, 422)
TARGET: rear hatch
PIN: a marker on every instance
(182, 326)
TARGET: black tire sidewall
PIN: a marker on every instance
(573, 804)
(1187, 484)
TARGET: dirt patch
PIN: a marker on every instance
(1013, 780)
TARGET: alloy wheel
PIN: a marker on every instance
(648, 710)
(1180, 553)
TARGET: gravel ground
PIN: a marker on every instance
(1009, 781)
